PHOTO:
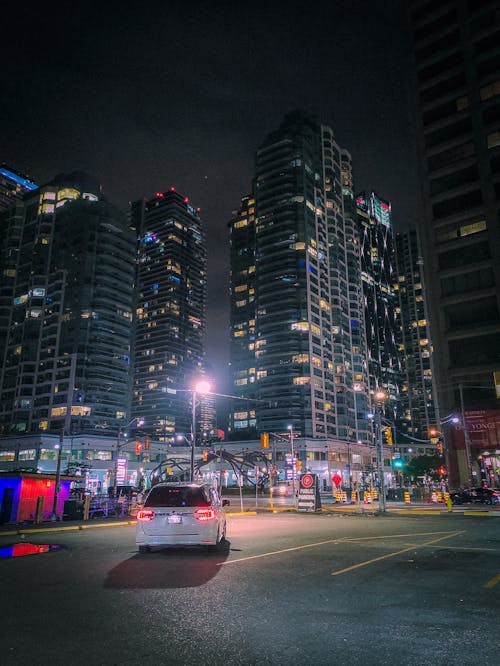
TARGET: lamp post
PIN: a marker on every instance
(120, 445)
(466, 436)
(380, 397)
(58, 475)
(292, 452)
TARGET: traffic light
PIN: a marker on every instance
(388, 436)
(205, 456)
(264, 440)
(299, 465)
(147, 443)
(398, 463)
(440, 447)
(138, 448)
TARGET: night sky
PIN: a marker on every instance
(150, 95)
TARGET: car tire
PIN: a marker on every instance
(217, 546)
(144, 549)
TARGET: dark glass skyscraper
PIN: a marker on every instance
(418, 396)
(457, 102)
(67, 329)
(170, 312)
(379, 277)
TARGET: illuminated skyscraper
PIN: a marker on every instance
(242, 316)
(67, 330)
(297, 328)
(170, 312)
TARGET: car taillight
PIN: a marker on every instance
(145, 515)
(204, 514)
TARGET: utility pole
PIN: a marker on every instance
(58, 475)
(380, 397)
(466, 435)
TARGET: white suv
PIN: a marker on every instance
(181, 514)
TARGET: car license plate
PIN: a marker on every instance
(174, 520)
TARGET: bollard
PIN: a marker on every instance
(434, 497)
(439, 496)
(354, 496)
(39, 509)
(86, 507)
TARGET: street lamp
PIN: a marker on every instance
(292, 452)
(380, 398)
(203, 388)
(120, 445)
(58, 475)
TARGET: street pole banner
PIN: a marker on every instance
(309, 498)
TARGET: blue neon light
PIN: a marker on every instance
(18, 179)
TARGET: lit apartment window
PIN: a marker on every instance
(490, 90)
(493, 139)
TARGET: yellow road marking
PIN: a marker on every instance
(491, 583)
(322, 543)
(397, 552)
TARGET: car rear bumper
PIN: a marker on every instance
(204, 537)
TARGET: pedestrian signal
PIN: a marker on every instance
(205, 456)
(138, 447)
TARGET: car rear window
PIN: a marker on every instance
(184, 496)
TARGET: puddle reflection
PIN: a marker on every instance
(23, 549)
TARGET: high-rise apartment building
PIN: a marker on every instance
(243, 421)
(417, 397)
(456, 47)
(170, 312)
(69, 270)
(296, 324)
(13, 185)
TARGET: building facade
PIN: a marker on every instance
(457, 102)
(170, 313)
(69, 272)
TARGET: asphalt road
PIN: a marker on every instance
(289, 589)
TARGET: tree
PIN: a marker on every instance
(424, 466)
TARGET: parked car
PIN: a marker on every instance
(181, 514)
(476, 495)
(125, 491)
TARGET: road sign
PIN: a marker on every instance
(307, 481)
(308, 497)
(337, 479)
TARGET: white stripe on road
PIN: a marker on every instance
(397, 552)
(322, 543)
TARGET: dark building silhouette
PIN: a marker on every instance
(456, 47)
